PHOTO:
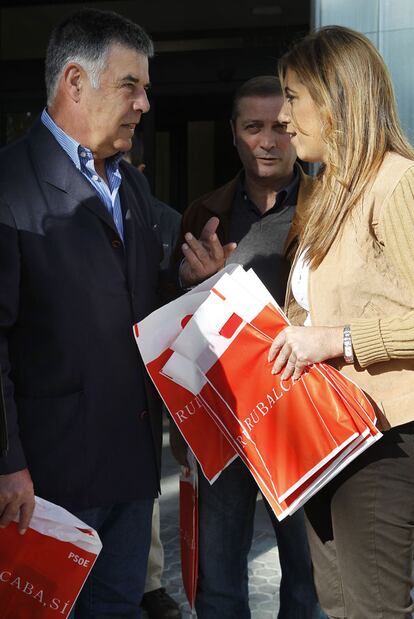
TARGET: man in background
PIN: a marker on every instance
(252, 220)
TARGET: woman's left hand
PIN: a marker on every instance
(297, 347)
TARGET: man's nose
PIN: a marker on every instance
(268, 140)
(141, 103)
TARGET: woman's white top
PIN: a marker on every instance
(299, 283)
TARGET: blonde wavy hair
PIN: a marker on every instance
(349, 82)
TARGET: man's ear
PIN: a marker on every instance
(233, 130)
(73, 79)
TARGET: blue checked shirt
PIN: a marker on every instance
(83, 159)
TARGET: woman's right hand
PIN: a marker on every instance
(295, 348)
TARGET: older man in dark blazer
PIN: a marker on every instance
(79, 262)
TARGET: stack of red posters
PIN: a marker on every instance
(294, 436)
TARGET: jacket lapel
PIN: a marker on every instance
(56, 168)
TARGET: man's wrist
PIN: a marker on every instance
(184, 285)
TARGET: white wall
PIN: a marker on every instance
(390, 26)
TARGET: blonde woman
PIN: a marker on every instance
(352, 285)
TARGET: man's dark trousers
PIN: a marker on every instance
(225, 535)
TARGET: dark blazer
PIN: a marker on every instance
(76, 393)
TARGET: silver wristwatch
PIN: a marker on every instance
(347, 345)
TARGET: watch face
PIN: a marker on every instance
(347, 345)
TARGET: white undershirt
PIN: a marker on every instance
(299, 283)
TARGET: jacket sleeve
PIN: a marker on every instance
(14, 459)
(391, 337)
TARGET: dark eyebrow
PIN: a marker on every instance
(249, 121)
(129, 78)
(134, 80)
(261, 122)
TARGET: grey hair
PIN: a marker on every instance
(85, 37)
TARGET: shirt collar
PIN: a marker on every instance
(79, 154)
(286, 196)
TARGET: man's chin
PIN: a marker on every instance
(123, 145)
(268, 172)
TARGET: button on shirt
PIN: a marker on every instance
(261, 237)
(83, 159)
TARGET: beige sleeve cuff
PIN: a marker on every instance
(382, 339)
(367, 342)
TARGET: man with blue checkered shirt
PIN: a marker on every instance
(79, 265)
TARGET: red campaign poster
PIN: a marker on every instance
(43, 571)
(208, 444)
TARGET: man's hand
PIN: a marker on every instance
(295, 348)
(16, 499)
(204, 256)
(178, 445)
